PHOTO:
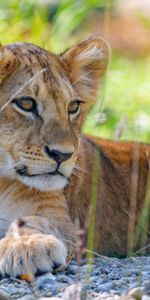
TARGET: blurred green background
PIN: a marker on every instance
(122, 109)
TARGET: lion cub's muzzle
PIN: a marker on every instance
(45, 168)
(56, 155)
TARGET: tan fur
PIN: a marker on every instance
(49, 203)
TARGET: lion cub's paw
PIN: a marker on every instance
(36, 253)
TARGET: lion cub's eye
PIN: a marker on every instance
(74, 107)
(26, 104)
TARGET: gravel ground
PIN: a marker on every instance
(101, 279)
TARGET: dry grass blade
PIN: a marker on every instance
(142, 226)
(120, 127)
(22, 87)
(133, 198)
(93, 204)
(142, 249)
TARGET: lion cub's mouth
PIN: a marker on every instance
(23, 171)
(48, 181)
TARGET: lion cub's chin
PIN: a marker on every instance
(45, 183)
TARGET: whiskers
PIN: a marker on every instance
(7, 168)
(77, 170)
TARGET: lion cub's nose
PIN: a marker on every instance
(59, 157)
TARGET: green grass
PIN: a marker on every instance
(125, 94)
(56, 26)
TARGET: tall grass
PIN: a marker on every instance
(126, 94)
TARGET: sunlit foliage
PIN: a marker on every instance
(55, 25)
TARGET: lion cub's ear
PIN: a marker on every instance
(7, 62)
(87, 62)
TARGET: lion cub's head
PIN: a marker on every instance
(44, 99)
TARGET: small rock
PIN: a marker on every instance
(64, 278)
(96, 272)
(73, 262)
(121, 282)
(133, 285)
(27, 298)
(45, 279)
(130, 272)
(101, 280)
(105, 287)
(93, 278)
(51, 298)
(73, 269)
(86, 268)
(15, 290)
(133, 259)
(4, 280)
(145, 297)
(4, 296)
(146, 283)
(75, 291)
(103, 270)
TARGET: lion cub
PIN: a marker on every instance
(44, 101)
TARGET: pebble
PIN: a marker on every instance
(73, 269)
(105, 287)
(145, 297)
(64, 278)
(51, 298)
(132, 271)
(3, 295)
(106, 278)
(27, 298)
(44, 280)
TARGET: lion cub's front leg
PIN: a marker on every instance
(35, 247)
